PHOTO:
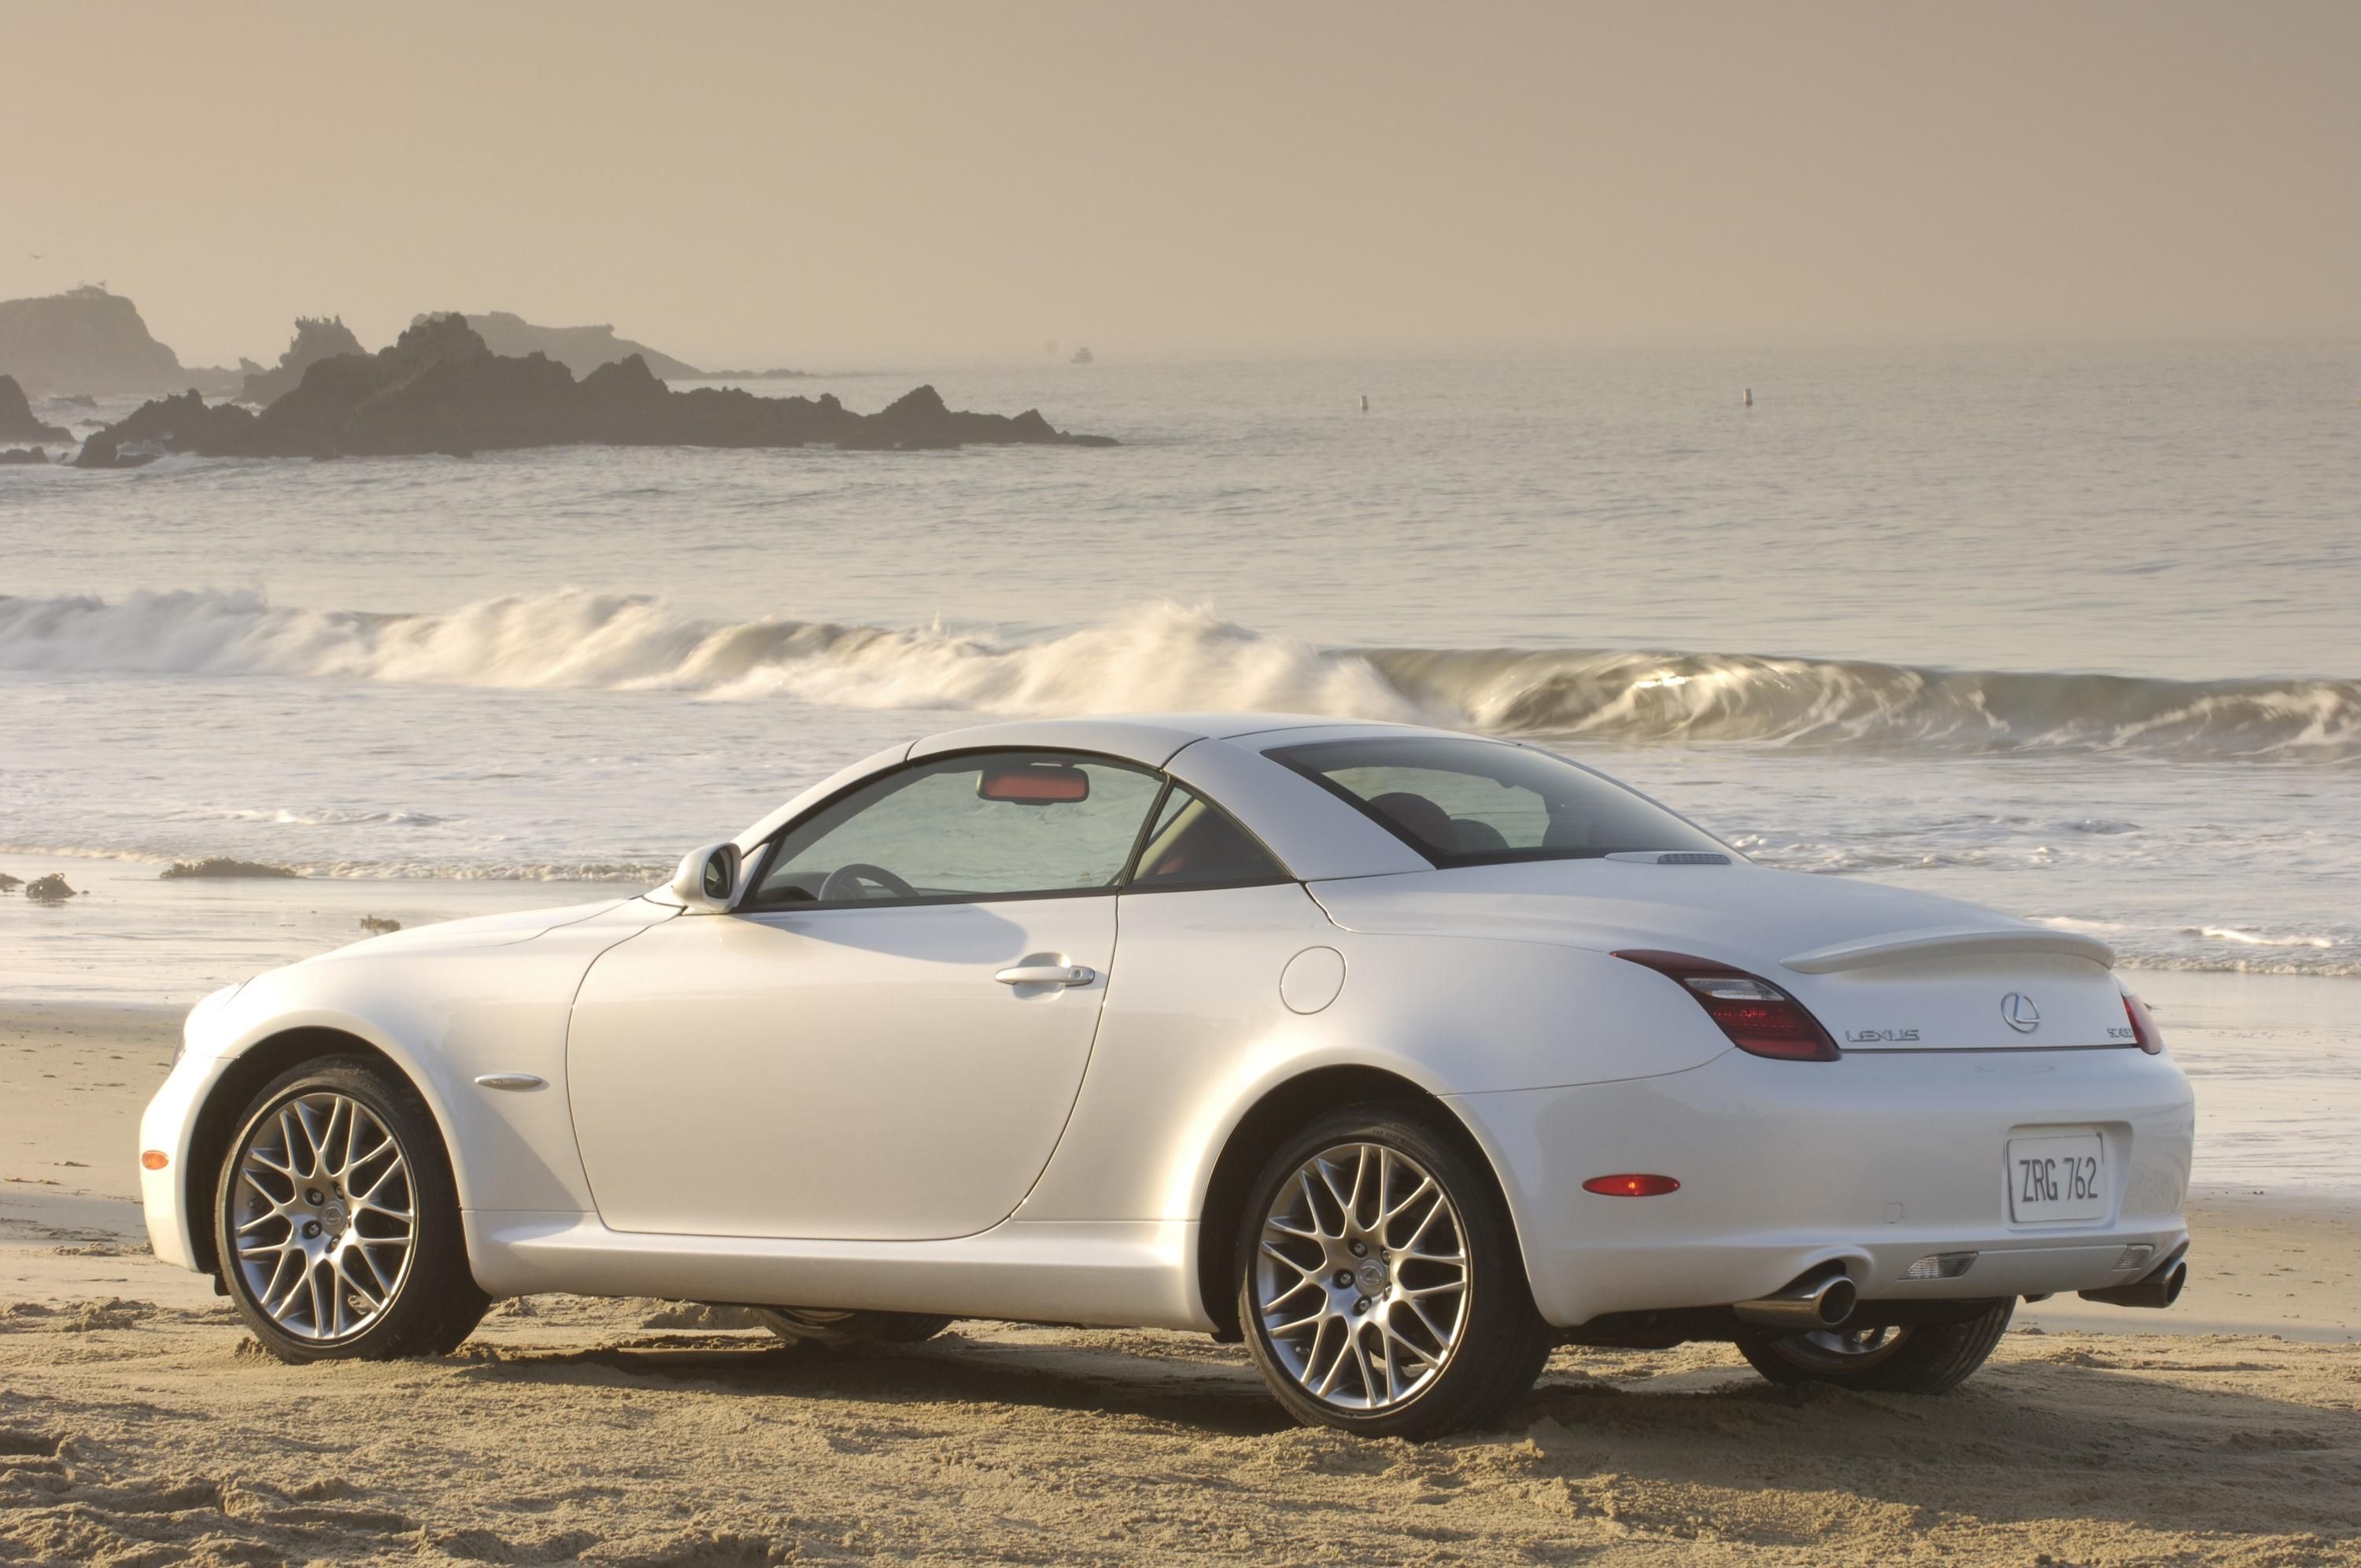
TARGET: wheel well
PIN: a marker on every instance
(217, 1121)
(1274, 1118)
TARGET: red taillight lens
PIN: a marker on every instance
(2144, 1028)
(1758, 1017)
(1633, 1185)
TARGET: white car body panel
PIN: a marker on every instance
(852, 1074)
(843, 1108)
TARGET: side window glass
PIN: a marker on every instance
(1195, 843)
(996, 825)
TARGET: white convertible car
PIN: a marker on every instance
(1402, 1055)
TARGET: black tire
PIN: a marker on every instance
(811, 1325)
(1501, 1341)
(432, 1303)
(1921, 1360)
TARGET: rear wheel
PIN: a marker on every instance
(336, 1222)
(1379, 1282)
(1923, 1359)
(817, 1325)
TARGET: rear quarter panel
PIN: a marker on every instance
(1195, 1032)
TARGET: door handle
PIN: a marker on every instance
(1046, 974)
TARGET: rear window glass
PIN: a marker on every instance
(1464, 803)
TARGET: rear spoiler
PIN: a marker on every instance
(1952, 942)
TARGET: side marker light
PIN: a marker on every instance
(1632, 1186)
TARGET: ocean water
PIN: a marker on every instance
(2074, 633)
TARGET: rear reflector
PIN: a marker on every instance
(2143, 1025)
(1942, 1266)
(1630, 1185)
(155, 1159)
(2134, 1257)
(1760, 1018)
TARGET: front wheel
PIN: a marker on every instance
(336, 1222)
(1379, 1282)
(1923, 1359)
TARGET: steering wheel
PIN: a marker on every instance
(853, 880)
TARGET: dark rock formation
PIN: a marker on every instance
(88, 340)
(580, 349)
(51, 889)
(23, 454)
(222, 866)
(316, 338)
(379, 926)
(441, 389)
(10, 883)
(185, 423)
(16, 421)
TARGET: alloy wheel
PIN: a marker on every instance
(1362, 1277)
(325, 1218)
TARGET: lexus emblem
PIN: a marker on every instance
(2020, 1013)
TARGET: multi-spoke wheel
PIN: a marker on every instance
(1361, 1276)
(324, 1217)
(336, 1220)
(1930, 1358)
(1379, 1281)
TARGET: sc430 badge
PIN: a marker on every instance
(1874, 1037)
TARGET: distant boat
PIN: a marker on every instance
(1082, 356)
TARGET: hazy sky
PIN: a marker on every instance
(839, 185)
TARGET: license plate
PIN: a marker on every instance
(2063, 1177)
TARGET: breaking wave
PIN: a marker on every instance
(1167, 656)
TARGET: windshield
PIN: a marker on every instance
(1465, 803)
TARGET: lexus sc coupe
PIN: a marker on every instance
(1402, 1055)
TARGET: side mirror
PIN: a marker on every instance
(707, 878)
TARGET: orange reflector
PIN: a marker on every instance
(155, 1159)
(1631, 1186)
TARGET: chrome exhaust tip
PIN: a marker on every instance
(1814, 1301)
(2162, 1288)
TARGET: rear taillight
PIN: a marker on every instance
(2143, 1025)
(1758, 1016)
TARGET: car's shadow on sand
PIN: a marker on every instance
(1220, 1396)
(2108, 1434)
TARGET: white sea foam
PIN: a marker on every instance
(2258, 940)
(1171, 656)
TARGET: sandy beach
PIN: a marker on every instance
(139, 1423)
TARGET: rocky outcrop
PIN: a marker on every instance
(184, 423)
(580, 349)
(440, 389)
(23, 455)
(16, 421)
(316, 338)
(87, 340)
(224, 867)
(50, 889)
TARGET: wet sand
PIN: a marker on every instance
(139, 1423)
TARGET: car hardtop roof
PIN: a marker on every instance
(1150, 738)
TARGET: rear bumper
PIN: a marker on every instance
(1871, 1163)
